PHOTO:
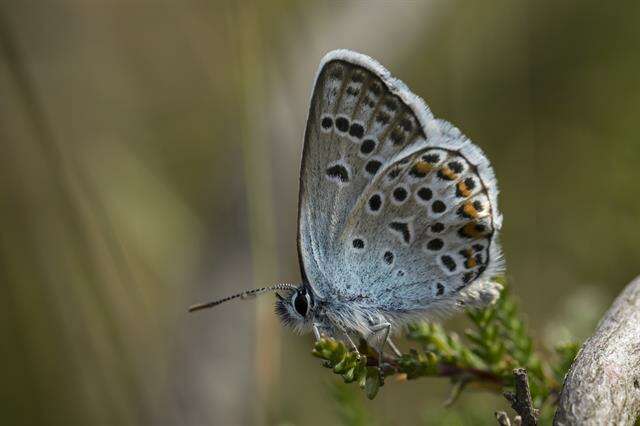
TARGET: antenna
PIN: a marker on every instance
(244, 295)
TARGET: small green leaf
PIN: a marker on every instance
(373, 382)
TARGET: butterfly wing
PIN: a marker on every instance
(352, 112)
(396, 207)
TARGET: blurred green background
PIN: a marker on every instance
(150, 158)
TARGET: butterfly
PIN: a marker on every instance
(397, 218)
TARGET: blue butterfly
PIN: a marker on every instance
(398, 216)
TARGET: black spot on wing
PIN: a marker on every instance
(342, 124)
(435, 244)
(356, 130)
(456, 166)
(448, 262)
(372, 166)
(437, 227)
(470, 183)
(338, 171)
(375, 202)
(403, 229)
(425, 193)
(438, 206)
(431, 158)
(367, 147)
(400, 194)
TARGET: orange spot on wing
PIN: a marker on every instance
(463, 190)
(470, 210)
(466, 253)
(447, 173)
(422, 167)
(474, 230)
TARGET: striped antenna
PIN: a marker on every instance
(243, 295)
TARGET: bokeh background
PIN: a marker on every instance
(150, 158)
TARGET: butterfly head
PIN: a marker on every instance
(296, 308)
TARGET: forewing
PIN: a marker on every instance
(355, 126)
(363, 227)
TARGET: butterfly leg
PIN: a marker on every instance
(316, 332)
(318, 335)
(354, 347)
(385, 327)
(393, 347)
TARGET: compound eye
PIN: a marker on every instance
(301, 303)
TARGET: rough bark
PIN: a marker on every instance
(603, 384)
(521, 400)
